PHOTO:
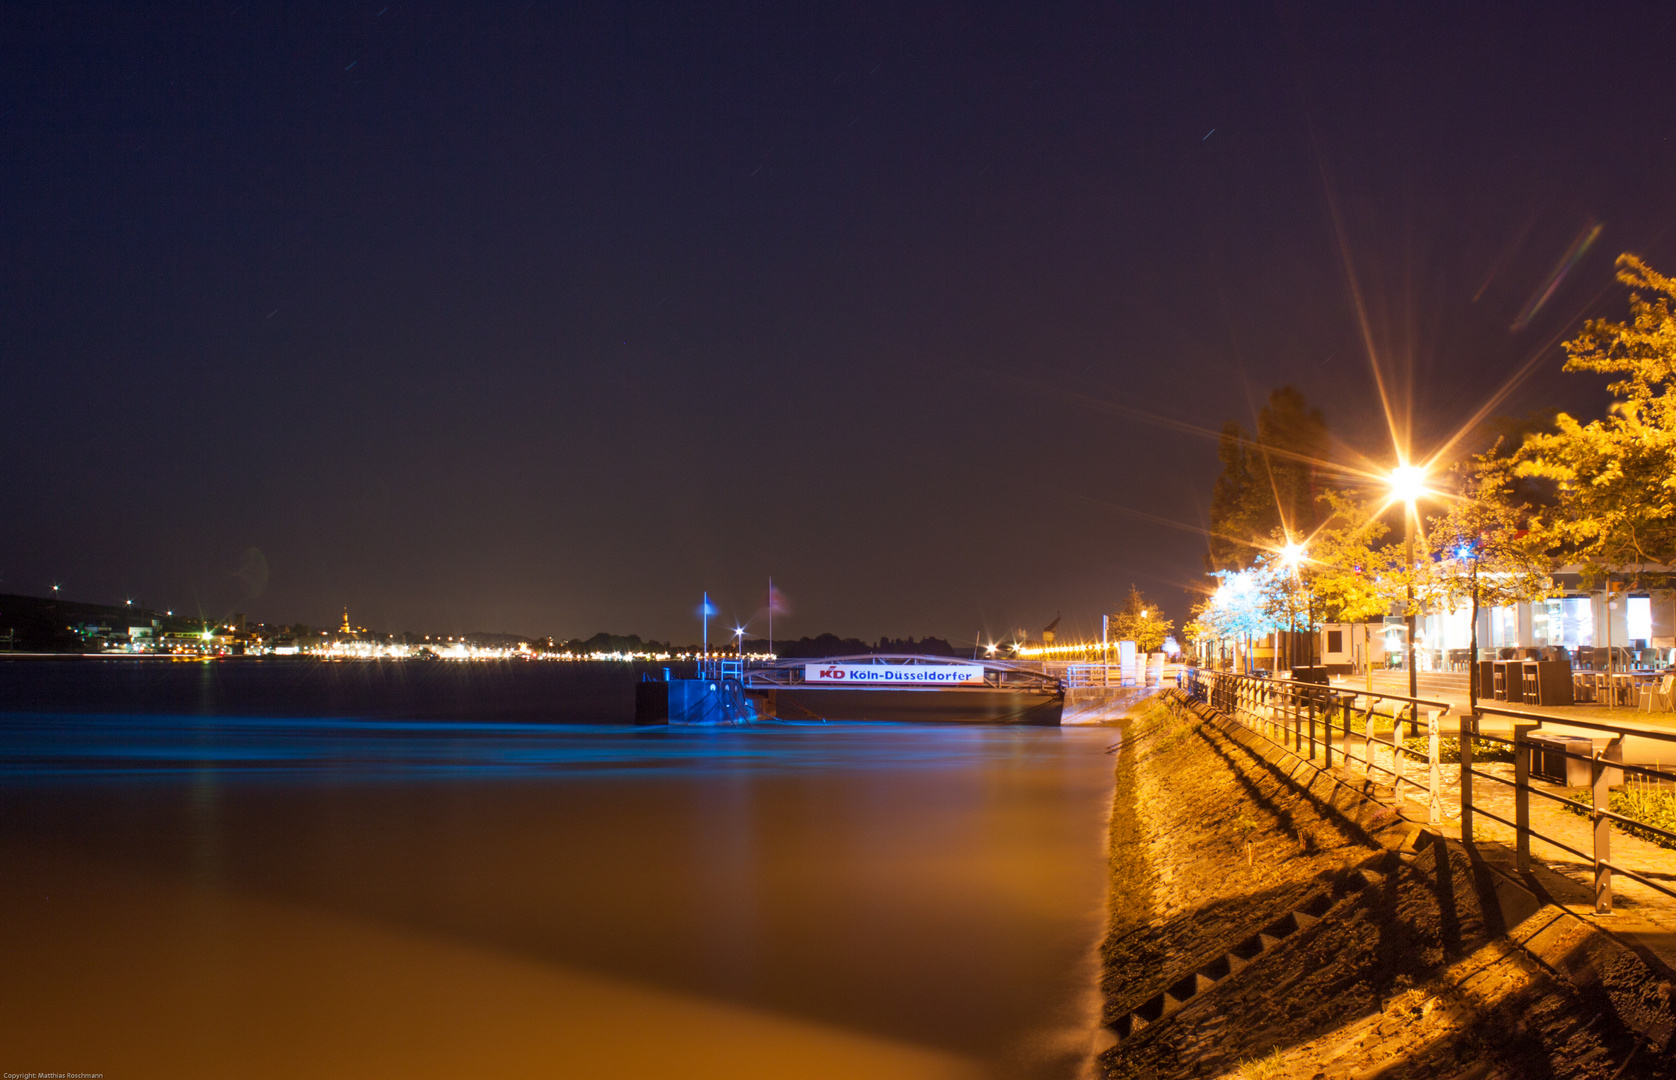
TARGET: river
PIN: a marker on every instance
(281, 870)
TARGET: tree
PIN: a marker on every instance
(1140, 621)
(1230, 503)
(1348, 572)
(1269, 482)
(1487, 548)
(1616, 476)
(1238, 609)
(1339, 573)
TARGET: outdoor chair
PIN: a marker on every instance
(1663, 695)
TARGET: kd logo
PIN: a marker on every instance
(832, 673)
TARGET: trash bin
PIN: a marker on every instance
(1549, 760)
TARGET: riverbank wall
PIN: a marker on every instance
(1104, 704)
(1269, 920)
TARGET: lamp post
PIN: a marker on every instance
(1408, 483)
(1291, 555)
(1105, 650)
(1466, 551)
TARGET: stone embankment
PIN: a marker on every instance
(1267, 920)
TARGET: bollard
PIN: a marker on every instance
(1522, 797)
(1434, 813)
(1600, 801)
(1469, 732)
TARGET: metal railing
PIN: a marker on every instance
(1302, 715)
(1603, 761)
(717, 667)
(1280, 709)
(1077, 675)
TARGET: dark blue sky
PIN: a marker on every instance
(544, 318)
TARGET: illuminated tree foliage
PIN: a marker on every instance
(1140, 621)
(1489, 548)
(1348, 572)
(1617, 476)
(1239, 608)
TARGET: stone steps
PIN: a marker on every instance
(1178, 994)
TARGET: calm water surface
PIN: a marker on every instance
(447, 886)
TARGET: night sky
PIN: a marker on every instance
(542, 319)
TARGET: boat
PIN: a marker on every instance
(904, 688)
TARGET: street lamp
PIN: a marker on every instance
(1408, 483)
(1290, 556)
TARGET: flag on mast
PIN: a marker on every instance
(776, 603)
(705, 610)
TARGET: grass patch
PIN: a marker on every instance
(1449, 750)
(1262, 1068)
(1640, 802)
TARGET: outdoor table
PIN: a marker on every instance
(1548, 682)
(1619, 687)
(1509, 680)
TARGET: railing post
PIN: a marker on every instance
(1349, 706)
(1396, 753)
(1434, 814)
(1600, 801)
(1522, 797)
(1469, 732)
(1327, 732)
(1312, 725)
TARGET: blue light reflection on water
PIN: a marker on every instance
(46, 746)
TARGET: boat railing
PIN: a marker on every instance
(719, 668)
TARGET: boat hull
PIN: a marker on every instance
(941, 705)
